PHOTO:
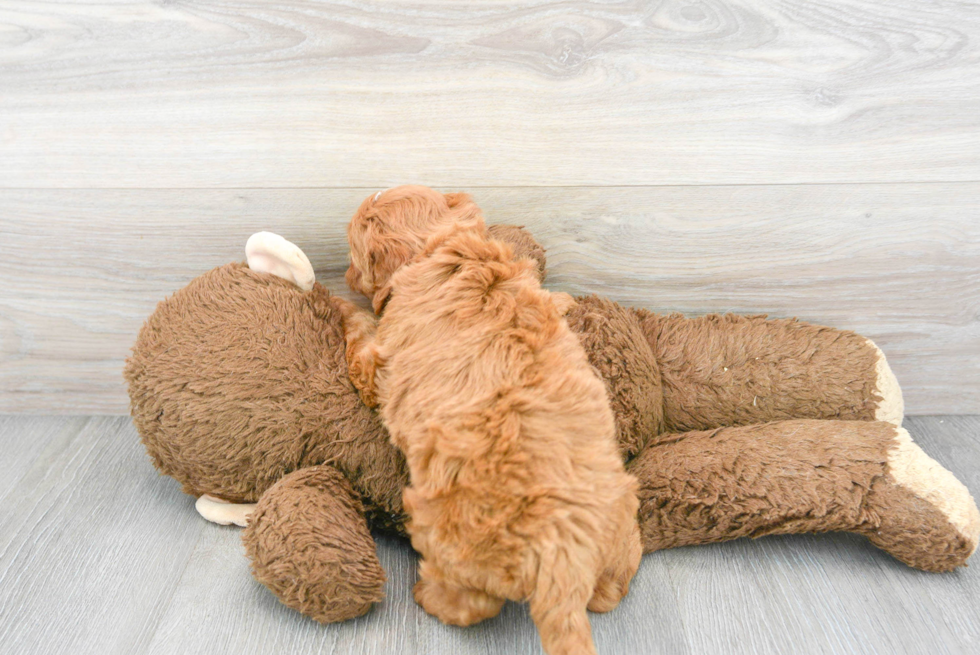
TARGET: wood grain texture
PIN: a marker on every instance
(304, 93)
(92, 542)
(82, 269)
(100, 555)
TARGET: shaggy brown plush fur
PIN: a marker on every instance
(240, 378)
(517, 489)
(740, 370)
(615, 345)
(335, 560)
(789, 477)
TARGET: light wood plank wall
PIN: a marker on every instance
(811, 158)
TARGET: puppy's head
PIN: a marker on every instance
(391, 227)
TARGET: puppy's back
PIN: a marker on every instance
(517, 485)
(483, 375)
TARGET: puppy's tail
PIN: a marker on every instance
(558, 607)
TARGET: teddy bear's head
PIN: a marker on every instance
(240, 377)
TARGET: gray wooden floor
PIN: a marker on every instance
(98, 554)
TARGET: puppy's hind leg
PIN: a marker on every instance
(451, 603)
(614, 581)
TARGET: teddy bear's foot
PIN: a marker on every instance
(270, 253)
(891, 407)
(222, 512)
(924, 516)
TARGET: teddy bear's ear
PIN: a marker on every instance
(270, 253)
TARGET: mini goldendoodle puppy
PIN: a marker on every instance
(517, 488)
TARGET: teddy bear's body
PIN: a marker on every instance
(239, 389)
(274, 370)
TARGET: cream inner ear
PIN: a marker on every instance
(270, 253)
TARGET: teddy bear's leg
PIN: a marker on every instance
(223, 512)
(309, 543)
(270, 253)
(743, 370)
(923, 488)
(794, 476)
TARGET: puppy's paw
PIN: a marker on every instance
(608, 592)
(368, 396)
(361, 368)
(346, 308)
(454, 605)
(563, 302)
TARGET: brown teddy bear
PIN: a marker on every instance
(734, 426)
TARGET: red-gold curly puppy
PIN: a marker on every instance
(517, 488)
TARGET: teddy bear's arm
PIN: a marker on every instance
(309, 543)
(222, 512)
(741, 370)
(796, 476)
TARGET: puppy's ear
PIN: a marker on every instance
(381, 298)
(456, 199)
(464, 211)
(523, 244)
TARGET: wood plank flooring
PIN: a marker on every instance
(98, 554)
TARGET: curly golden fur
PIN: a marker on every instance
(517, 487)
